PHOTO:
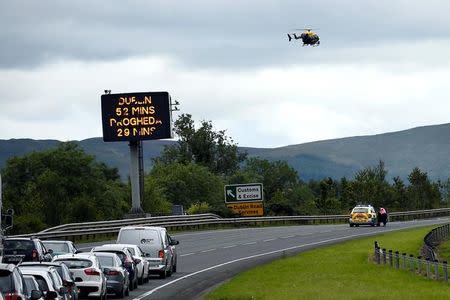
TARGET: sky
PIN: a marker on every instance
(382, 66)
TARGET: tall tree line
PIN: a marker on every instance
(66, 185)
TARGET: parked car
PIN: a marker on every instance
(48, 280)
(13, 286)
(32, 284)
(126, 258)
(363, 215)
(64, 273)
(16, 250)
(117, 277)
(158, 247)
(59, 247)
(87, 272)
(141, 262)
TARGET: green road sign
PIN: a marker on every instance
(249, 192)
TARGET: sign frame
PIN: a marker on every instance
(234, 187)
(136, 116)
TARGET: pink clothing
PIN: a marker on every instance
(382, 211)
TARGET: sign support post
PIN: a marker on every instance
(135, 177)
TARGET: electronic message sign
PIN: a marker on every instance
(136, 116)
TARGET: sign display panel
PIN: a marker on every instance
(247, 209)
(250, 192)
(136, 116)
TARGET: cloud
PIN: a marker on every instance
(211, 34)
(268, 107)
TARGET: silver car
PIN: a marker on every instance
(141, 262)
(158, 247)
(117, 277)
(48, 280)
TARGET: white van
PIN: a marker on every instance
(158, 247)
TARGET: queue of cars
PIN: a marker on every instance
(32, 269)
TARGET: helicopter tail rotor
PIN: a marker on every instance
(290, 37)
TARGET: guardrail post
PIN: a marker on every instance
(428, 267)
(436, 269)
(419, 264)
(391, 263)
(377, 252)
(397, 260)
(411, 262)
(445, 269)
(404, 260)
(384, 256)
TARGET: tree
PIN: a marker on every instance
(62, 185)
(186, 184)
(370, 186)
(278, 179)
(422, 193)
(203, 146)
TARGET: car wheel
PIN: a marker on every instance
(136, 284)
(174, 268)
(131, 286)
(121, 294)
(163, 274)
(127, 291)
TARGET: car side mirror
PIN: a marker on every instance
(146, 254)
(63, 290)
(51, 295)
(35, 294)
(106, 271)
(136, 260)
(68, 283)
(174, 242)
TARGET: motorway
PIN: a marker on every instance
(208, 258)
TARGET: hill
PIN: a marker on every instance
(424, 147)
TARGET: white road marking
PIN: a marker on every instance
(259, 255)
(231, 246)
(269, 240)
(187, 254)
(251, 243)
(287, 237)
(209, 250)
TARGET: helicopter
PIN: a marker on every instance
(308, 37)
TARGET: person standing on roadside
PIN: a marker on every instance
(382, 216)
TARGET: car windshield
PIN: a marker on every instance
(106, 261)
(57, 247)
(76, 263)
(19, 245)
(360, 210)
(6, 281)
(29, 282)
(43, 286)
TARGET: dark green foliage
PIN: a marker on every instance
(203, 146)
(62, 185)
(186, 184)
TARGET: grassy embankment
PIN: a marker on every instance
(343, 271)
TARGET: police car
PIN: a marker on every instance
(363, 215)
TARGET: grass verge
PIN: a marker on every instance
(343, 271)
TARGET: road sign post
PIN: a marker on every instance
(135, 117)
